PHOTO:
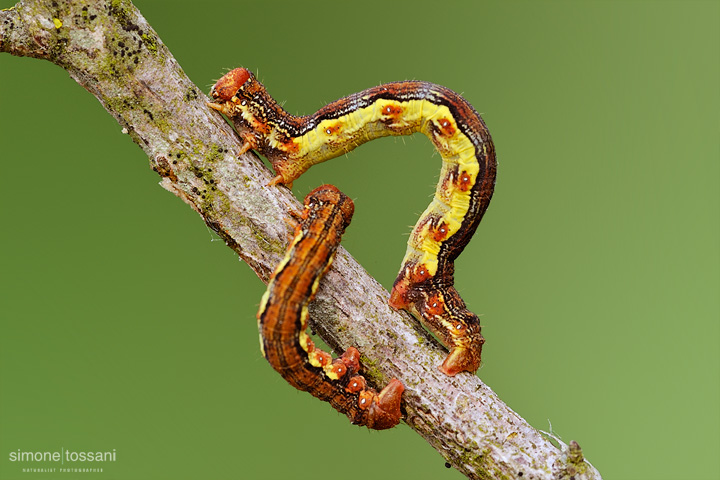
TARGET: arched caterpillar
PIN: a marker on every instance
(293, 144)
(283, 314)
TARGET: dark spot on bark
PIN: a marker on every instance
(191, 95)
(149, 114)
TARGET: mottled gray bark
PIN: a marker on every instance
(109, 49)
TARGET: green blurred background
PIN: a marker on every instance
(126, 324)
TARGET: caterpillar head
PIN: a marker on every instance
(233, 93)
(330, 195)
(230, 84)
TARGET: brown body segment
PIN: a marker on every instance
(282, 319)
(294, 143)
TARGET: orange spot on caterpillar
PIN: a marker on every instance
(464, 181)
(392, 110)
(338, 368)
(435, 305)
(225, 88)
(319, 358)
(356, 384)
(445, 127)
(404, 292)
(419, 274)
(334, 129)
(440, 232)
(365, 399)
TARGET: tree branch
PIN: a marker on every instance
(109, 49)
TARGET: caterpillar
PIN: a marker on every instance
(283, 315)
(425, 283)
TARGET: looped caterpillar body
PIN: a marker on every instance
(293, 144)
(283, 314)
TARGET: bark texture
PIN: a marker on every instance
(109, 49)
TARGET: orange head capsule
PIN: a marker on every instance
(229, 84)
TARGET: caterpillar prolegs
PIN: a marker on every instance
(283, 315)
(293, 144)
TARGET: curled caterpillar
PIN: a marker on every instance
(293, 144)
(283, 314)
